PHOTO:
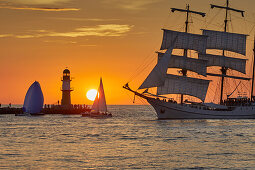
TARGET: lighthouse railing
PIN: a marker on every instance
(70, 89)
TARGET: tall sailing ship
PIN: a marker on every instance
(240, 107)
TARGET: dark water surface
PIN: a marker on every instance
(132, 139)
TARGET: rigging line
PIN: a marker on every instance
(192, 25)
(241, 92)
(143, 101)
(213, 18)
(230, 19)
(251, 64)
(217, 25)
(246, 88)
(235, 89)
(249, 85)
(245, 22)
(246, 28)
(147, 61)
(143, 66)
(243, 18)
(228, 84)
(245, 85)
(235, 81)
(216, 91)
(128, 94)
(164, 24)
(181, 28)
(252, 29)
(239, 83)
(175, 20)
(211, 91)
(208, 14)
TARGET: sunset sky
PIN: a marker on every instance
(93, 38)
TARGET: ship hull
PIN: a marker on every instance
(169, 110)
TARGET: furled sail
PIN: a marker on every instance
(157, 76)
(99, 104)
(184, 41)
(184, 85)
(226, 41)
(191, 64)
(222, 61)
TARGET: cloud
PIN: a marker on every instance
(60, 41)
(109, 30)
(88, 45)
(34, 2)
(36, 5)
(85, 19)
(24, 36)
(40, 9)
(18, 36)
(131, 4)
(6, 35)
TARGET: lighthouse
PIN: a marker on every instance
(66, 89)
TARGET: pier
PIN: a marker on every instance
(51, 109)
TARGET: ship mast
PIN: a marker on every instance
(252, 84)
(188, 11)
(224, 69)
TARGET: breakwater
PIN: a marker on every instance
(50, 109)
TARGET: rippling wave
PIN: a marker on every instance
(132, 139)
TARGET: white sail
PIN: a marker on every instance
(226, 41)
(33, 102)
(184, 85)
(196, 65)
(157, 75)
(184, 41)
(99, 104)
(223, 61)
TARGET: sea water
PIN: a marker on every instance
(132, 139)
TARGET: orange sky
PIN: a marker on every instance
(108, 38)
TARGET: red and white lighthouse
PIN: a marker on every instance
(66, 89)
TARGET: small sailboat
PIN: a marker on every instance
(99, 107)
(33, 102)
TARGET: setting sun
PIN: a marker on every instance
(91, 94)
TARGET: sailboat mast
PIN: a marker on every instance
(224, 69)
(186, 28)
(252, 85)
(226, 19)
(188, 11)
(185, 52)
